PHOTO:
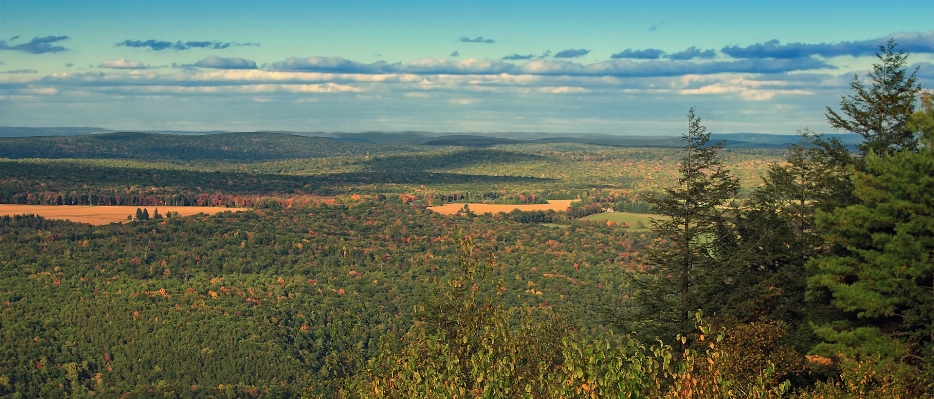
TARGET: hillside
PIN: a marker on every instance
(242, 147)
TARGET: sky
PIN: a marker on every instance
(584, 66)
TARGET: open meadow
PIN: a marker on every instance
(626, 219)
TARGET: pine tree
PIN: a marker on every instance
(773, 235)
(881, 112)
(682, 258)
(883, 273)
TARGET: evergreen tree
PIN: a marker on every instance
(816, 175)
(773, 235)
(681, 261)
(883, 275)
(881, 111)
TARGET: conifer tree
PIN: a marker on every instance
(682, 259)
(773, 234)
(881, 111)
(883, 273)
(878, 268)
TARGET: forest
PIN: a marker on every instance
(759, 272)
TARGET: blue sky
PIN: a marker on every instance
(616, 67)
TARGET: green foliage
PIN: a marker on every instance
(527, 173)
(864, 380)
(768, 240)
(298, 295)
(469, 344)
(815, 175)
(720, 368)
(882, 274)
(881, 112)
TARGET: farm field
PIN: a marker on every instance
(630, 219)
(452, 208)
(101, 215)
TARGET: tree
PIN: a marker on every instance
(922, 121)
(682, 258)
(883, 273)
(469, 344)
(881, 112)
(772, 236)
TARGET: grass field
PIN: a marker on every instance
(99, 215)
(626, 218)
(452, 208)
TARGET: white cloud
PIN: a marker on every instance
(562, 90)
(123, 64)
(746, 88)
(242, 81)
(42, 91)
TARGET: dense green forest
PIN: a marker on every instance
(806, 272)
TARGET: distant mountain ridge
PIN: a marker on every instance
(260, 146)
(48, 131)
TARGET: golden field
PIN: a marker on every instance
(452, 208)
(99, 215)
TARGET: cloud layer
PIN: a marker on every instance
(572, 53)
(517, 57)
(38, 45)
(21, 71)
(911, 42)
(617, 67)
(123, 64)
(478, 39)
(225, 63)
(573, 88)
(162, 45)
(691, 53)
(647, 54)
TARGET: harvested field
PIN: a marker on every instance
(452, 208)
(98, 215)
